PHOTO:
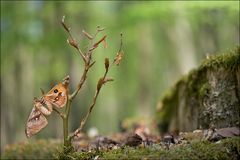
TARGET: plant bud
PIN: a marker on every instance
(106, 63)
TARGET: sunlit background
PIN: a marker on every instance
(162, 41)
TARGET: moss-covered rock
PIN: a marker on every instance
(208, 96)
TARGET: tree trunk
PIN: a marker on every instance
(208, 96)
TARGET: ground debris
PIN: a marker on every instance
(133, 140)
(185, 145)
(222, 133)
(166, 141)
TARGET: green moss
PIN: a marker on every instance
(227, 149)
(230, 60)
(204, 89)
(44, 149)
(197, 77)
(40, 149)
(194, 86)
(64, 153)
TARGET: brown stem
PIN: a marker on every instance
(83, 121)
(121, 43)
(87, 57)
(72, 39)
(82, 80)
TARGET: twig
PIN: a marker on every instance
(121, 43)
(82, 80)
(101, 81)
(87, 58)
(72, 41)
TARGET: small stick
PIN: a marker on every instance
(72, 40)
(99, 86)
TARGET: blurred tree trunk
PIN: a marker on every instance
(145, 67)
(182, 38)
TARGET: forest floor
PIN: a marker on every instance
(200, 144)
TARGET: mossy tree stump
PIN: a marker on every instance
(208, 96)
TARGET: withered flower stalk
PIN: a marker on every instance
(88, 63)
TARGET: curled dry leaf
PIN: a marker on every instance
(118, 58)
(225, 133)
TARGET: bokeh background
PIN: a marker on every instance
(162, 41)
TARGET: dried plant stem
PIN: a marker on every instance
(83, 121)
(72, 40)
(81, 82)
(87, 58)
(87, 115)
(82, 55)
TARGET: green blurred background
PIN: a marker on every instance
(162, 41)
